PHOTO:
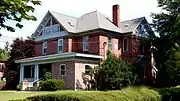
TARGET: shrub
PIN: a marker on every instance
(48, 75)
(115, 73)
(20, 100)
(51, 85)
(53, 98)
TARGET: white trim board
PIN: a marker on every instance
(57, 56)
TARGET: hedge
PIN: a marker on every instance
(127, 94)
(51, 85)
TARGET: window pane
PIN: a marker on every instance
(60, 45)
(85, 43)
(62, 69)
(55, 29)
(109, 43)
(125, 47)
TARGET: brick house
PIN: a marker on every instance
(67, 45)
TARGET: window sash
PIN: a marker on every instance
(44, 48)
(62, 69)
(85, 43)
(110, 43)
(60, 45)
(125, 45)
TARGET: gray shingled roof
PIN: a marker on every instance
(130, 25)
(94, 20)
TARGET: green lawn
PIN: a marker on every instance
(124, 95)
(9, 95)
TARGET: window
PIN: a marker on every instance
(87, 69)
(55, 29)
(62, 69)
(109, 43)
(44, 50)
(60, 45)
(85, 43)
(125, 45)
(47, 31)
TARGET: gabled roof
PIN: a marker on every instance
(94, 20)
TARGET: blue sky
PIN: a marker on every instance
(129, 9)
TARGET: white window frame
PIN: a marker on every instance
(85, 43)
(45, 45)
(61, 45)
(126, 45)
(85, 67)
(61, 69)
(109, 43)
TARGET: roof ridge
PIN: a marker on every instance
(133, 19)
(62, 14)
(88, 13)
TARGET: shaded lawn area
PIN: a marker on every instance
(12, 95)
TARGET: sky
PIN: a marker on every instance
(129, 9)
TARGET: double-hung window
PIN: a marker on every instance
(44, 48)
(62, 69)
(60, 45)
(125, 45)
(87, 69)
(109, 43)
(85, 43)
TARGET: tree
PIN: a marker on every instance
(19, 49)
(167, 25)
(16, 10)
(114, 73)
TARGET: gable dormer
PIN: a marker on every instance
(49, 28)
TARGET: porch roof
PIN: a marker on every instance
(57, 56)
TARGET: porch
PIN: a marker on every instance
(31, 74)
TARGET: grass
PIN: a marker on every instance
(11, 95)
(127, 94)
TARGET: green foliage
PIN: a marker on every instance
(48, 76)
(20, 100)
(16, 10)
(53, 97)
(115, 73)
(51, 85)
(127, 94)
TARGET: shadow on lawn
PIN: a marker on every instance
(169, 94)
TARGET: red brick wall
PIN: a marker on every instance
(52, 46)
(67, 45)
(94, 44)
(69, 78)
(133, 48)
(38, 49)
(77, 44)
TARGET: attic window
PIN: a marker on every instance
(70, 24)
(126, 25)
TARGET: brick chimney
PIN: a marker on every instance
(116, 15)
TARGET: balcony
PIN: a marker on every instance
(51, 32)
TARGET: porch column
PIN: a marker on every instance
(36, 72)
(21, 73)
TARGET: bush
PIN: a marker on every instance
(115, 73)
(53, 98)
(48, 75)
(51, 85)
